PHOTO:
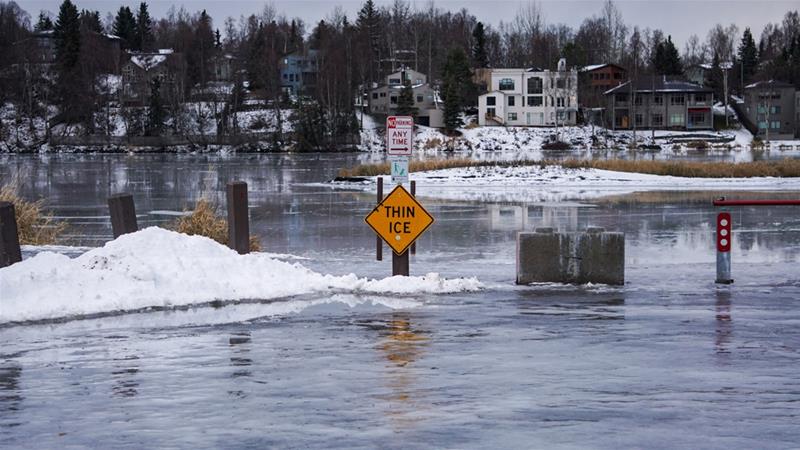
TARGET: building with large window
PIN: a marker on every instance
(530, 97)
(596, 79)
(299, 72)
(771, 106)
(658, 103)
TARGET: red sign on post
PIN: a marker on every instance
(724, 232)
(399, 135)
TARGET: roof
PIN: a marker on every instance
(770, 84)
(725, 65)
(658, 84)
(593, 67)
(148, 61)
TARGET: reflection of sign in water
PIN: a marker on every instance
(399, 166)
(399, 219)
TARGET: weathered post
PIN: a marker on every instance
(238, 217)
(10, 252)
(414, 194)
(724, 237)
(378, 240)
(123, 214)
(400, 264)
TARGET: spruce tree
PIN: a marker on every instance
(68, 36)
(90, 20)
(44, 23)
(144, 33)
(405, 101)
(666, 60)
(452, 104)
(479, 57)
(155, 111)
(748, 55)
(125, 27)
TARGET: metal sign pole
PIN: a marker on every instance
(378, 240)
(724, 238)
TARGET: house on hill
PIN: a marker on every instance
(142, 68)
(596, 79)
(658, 103)
(772, 107)
(383, 99)
(530, 97)
(299, 72)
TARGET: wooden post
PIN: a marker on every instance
(413, 194)
(10, 252)
(238, 217)
(400, 264)
(123, 214)
(378, 240)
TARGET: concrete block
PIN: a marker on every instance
(595, 256)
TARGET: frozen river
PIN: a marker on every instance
(669, 360)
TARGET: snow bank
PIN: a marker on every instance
(160, 268)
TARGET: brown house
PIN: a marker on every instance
(595, 80)
(139, 71)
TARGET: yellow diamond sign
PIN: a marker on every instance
(399, 219)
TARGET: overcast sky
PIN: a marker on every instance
(681, 18)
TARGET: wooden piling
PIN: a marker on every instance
(378, 240)
(123, 214)
(10, 251)
(238, 217)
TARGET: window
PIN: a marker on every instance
(639, 120)
(657, 120)
(560, 84)
(700, 98)
(676, 119)
(534, 85)
(776, 125)
(510, 100)
(775, 110)
(490, 112)
(697, 118)
(658, 100)
(383, 94)
(491, 101)
(512, 116)
(535, 101)
(621, 98)
(762, 125)
(677, 99)
(394, 81)
(506, 84)
(617, 76)
(374, 95)
(393, 100)
(637, 100)
(419, 99)
(560, 102)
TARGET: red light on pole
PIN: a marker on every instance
(724, 232)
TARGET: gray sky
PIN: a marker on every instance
(681, 18)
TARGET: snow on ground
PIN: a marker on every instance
(159, 268)
(556, 183)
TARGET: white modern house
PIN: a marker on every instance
(530, 97)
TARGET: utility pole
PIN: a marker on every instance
(725, 89)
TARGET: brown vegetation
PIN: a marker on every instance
(690, 169)
(34, 226)
(205, 221)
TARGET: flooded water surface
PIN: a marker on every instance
(669, 360)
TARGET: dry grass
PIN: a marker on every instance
(206, 221)
(689, 169)
(34, 226)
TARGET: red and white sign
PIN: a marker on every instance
(724, 228)
(399, 135)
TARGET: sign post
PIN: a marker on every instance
(399, 219)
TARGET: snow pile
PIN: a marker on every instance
(148, 61)
(160, 268)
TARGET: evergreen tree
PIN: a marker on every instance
(479, 56)
(452, 104)
(125, 27)
(748, 55)
(90, 20)
(667, 61)
(155, 111)
(405, 101)
(44, 23)
(368, 25)
(68, 36)
(716, 77)
(144, 33)
(457, 68)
